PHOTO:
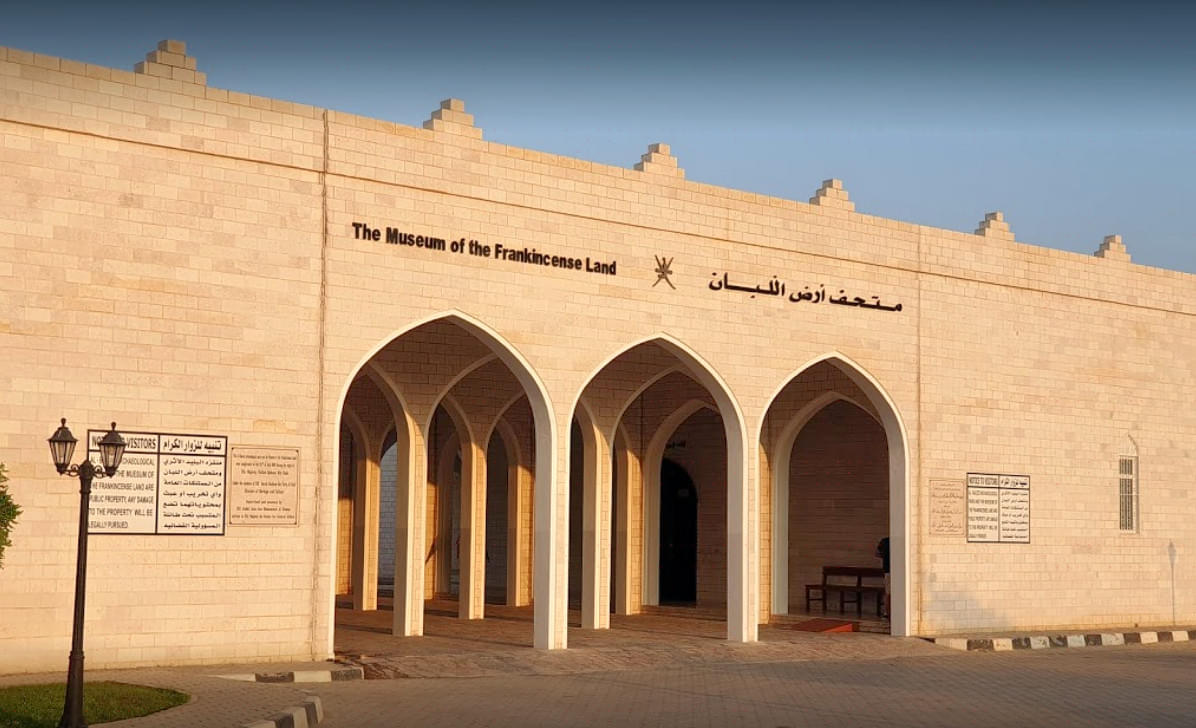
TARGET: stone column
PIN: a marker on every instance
(367, 473)
(595, 543)
(628, 483)
(472, 595)
(410, 516)
(743, 583)
(551, 539)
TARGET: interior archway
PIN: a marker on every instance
(632, 394)
(433, 362)
(838, 406)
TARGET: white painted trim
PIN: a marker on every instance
(900, 484)
(550, 628)
(595, 521)
(743, 532)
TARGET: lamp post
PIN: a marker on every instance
(62, 447)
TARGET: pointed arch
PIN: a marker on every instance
(549, 618)
(742, 500)
(896, 436)
(448, 387)
(626, 404)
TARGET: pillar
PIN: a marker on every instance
(551, 538)
(596, 517)
(410, 516)
(472, 596)
(367, 473)
(743, 543)
(623, 528)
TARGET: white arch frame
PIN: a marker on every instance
(897, 437)
(549, 618)
(653, 461)
(782, 452)
(743, 532)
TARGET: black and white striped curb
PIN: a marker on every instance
(1046, 642)
(301, 716)
(300, 676)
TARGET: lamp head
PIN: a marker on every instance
(62, 447)
(112, 450)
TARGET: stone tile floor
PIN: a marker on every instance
(500, 644)
(1113, 686)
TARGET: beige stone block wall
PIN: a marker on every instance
(211, 233)
(161, 269)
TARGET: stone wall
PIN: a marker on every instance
(192, 253)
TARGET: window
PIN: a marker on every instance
(1128, 492)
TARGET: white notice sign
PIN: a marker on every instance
(128, 501)
(166, 484)
(998, 508)
(946, 508)
(264, 487)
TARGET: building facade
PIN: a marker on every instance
(348, 352)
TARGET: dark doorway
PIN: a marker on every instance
(678, 535)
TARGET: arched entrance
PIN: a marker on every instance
(454, 373)
(637, 400)
(835, 457)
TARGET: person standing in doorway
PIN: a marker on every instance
(882, 553)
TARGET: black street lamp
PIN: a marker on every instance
(62, 447)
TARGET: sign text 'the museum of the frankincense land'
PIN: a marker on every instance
(498, 252)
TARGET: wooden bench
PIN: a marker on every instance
(848, 581)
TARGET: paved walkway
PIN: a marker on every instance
(215, 702)
(673, 667)
(499, 645)
(1110, 686)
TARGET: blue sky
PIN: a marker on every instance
(1076, 120)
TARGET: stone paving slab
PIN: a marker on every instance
(1113, 687)
(215, 702)
(663, 638)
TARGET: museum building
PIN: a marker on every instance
(365, 365)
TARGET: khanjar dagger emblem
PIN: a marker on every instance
(664, 269)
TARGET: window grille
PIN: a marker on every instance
(1128, 492)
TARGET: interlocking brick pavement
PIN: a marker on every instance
(1114, 686)
(499, 645)
(215, 702)
(666, 669)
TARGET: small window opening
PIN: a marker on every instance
(1128, 492)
